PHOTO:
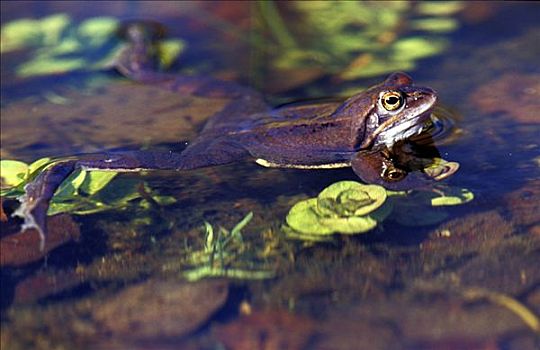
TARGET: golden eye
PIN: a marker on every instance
(392, 100)
(393, 174)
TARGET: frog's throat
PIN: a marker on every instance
(268, 164)
(389, 124)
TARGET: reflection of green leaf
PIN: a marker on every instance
(417, 47)
(52, 27)
(49, 66)
(435, 24)
(439, 8)
(96, 31)
(25, 32)
(377, 67)
(169, 51)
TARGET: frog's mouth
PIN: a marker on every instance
(401, 130)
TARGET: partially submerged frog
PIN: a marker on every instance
(372, 132)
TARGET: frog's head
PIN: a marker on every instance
(392, 111)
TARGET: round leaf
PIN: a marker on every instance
(365, 198)
(349, 225)
(303, 218)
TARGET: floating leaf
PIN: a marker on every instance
(453, 196)
(340, 208)
(13, 172)
(359, 198)
(304, 218)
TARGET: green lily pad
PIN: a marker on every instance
(340, 208)
(352, 198)
(349, 225)
(304, 218)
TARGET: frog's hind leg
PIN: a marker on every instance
(38, 194)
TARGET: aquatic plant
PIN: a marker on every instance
(350, 207)
(60, 45)
(356, 39)
(346, 207)
(82, 193)
(225, 254)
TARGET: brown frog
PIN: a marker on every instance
(373, 132)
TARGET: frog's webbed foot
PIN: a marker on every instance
(35, 202)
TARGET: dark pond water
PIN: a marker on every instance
(152, 260)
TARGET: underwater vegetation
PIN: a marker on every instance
(223, 255)
(59, 44)
(350, 207)
(83, 193)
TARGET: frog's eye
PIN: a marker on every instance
(393, 174)
(391, 100)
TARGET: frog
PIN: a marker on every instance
(373, 131)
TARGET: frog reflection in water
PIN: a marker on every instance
(372, 131)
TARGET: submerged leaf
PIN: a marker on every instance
(96, 180)
(12, 172)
